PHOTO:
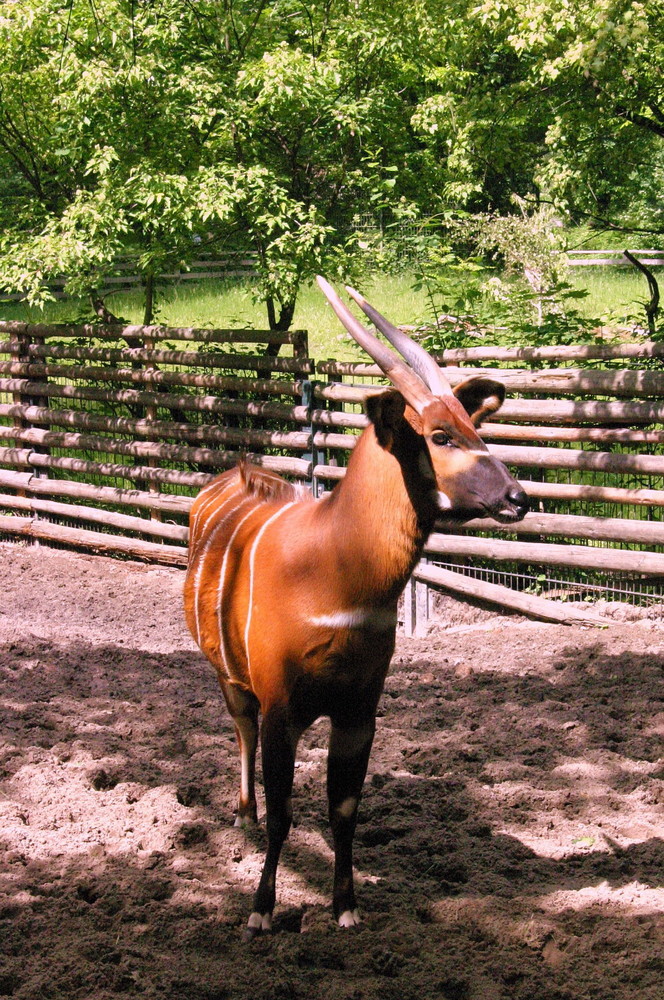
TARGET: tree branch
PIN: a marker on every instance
(652, 307)
(641, 120)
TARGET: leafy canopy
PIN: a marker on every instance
(164, 130)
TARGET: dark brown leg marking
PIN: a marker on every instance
(278, 742)
(346, 769)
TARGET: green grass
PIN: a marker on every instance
(231, 305)
(615, 296)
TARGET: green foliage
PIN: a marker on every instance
(514, 285)
(159, 131)
(597, 67)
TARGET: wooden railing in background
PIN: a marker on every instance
(222, 267)
(127, 278)
(91, 421)
(119, 438)
(613, 258)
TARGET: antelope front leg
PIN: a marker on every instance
(278, 743)
(346, 769)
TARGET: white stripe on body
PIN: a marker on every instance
(211, 502)
(252, 559)
(377, 619)
(256, 505)
(201, 563)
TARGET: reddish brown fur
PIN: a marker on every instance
(294, 602)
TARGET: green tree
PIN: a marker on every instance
(597, 69)
(161, 130)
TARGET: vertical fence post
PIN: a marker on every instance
(151, 415)
(312, 456)
(22, 338)
(416, 607)
(301, 344)
(421, 606)
(409, 609)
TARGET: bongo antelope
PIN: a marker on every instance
(294, 600)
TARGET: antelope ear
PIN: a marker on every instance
(385, 412)
(480, 397)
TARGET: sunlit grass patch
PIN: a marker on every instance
(615, 296)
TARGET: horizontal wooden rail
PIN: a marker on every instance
(170, 503)
(95, 515)
(337, 418)
(493, 593)
(196, 359)
(26, 457)
(594, 253)
(331, 472)
(614, 258)
(572, 492)
(511, 432)
(165, 400)
(340, 442)
(559, 381)
(592, 411)
(574, 458)
(548, 554)
(113, 331)
(546, 411)
(144, 427)
(93, 541)
(597, 435)
(151, 376)
(605, 529)
(159, 449)
(557, 352)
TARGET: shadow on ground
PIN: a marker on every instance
(120, 874)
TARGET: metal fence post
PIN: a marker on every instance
(421, 607)
(312, 456)
(416, 607)
(409, 609)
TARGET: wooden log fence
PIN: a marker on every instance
(613, 258)
(127, 277)
(114, 355)
(104, 445)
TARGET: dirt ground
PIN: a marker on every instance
(511, 836)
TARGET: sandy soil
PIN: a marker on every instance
(510, 843)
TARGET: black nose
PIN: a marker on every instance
(519, 499)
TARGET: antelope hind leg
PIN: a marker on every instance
(243, 707)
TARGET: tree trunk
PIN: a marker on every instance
(281, 324)
(149, 299)
(652, 307)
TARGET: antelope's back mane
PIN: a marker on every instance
(265, 485)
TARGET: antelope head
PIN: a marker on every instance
(460, 474)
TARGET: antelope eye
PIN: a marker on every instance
(438, 437)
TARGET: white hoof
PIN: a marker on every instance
(349, 918)
(244, 822)
(257, 924)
